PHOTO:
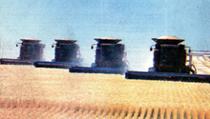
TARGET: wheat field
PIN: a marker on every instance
(42, 93)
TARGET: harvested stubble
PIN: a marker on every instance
(35, 109)
(30, 93)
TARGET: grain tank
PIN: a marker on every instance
(109, 57)
(31, 50)
(66, 55)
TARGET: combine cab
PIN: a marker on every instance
(31, 50)
(172, 61)
(110, 58)
(66, 55)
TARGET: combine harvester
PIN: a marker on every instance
(31, 50)
(66, 55)
(110, 58)
(172, 61)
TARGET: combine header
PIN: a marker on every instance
(172, 61)
(66, 55)
(31, 50)
(110, 58)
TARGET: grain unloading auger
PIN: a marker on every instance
(172, 61)
(110, 58)
(66, 55)
(31, 50)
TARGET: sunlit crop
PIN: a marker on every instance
(30, 93)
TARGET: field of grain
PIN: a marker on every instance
(41, 93)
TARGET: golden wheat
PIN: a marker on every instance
(31, 93)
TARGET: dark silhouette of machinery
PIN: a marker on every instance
(31, 50)
(109, 58)
(171, 56)
(172, 61)
(66, 55)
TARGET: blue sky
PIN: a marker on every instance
(135, 21)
